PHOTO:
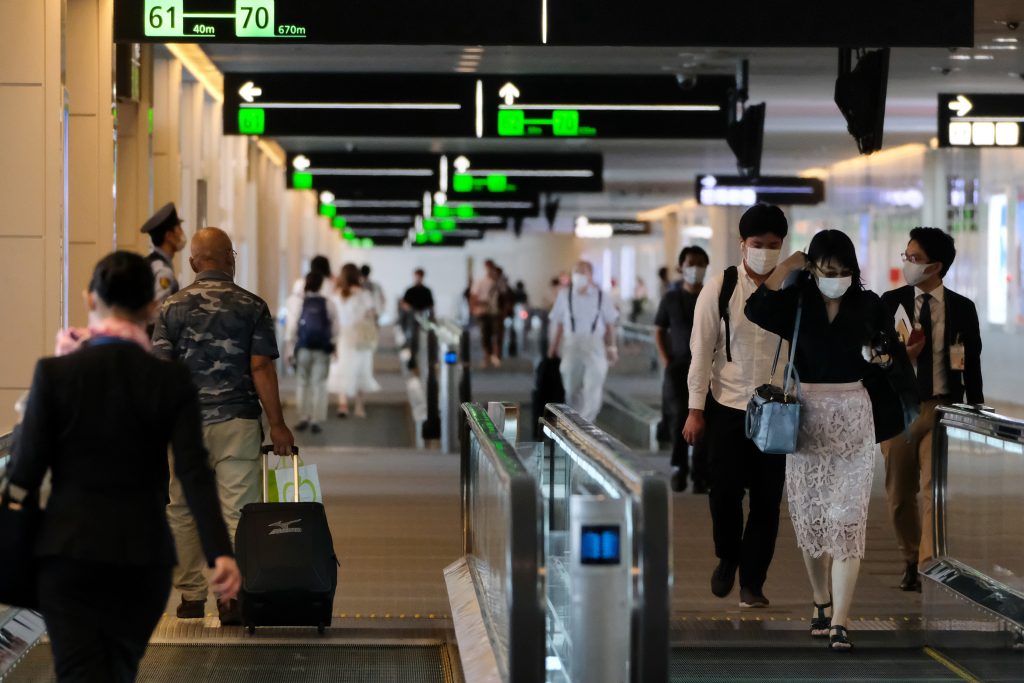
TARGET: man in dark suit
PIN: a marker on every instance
(946, 348)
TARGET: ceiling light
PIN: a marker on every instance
(473, 49)
(1004, 40)
(464, 70)
(983, 58)
(960, 58)
(998, 47)
(326, 197)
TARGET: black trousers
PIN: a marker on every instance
(675, 399)
(492, 334)
(737, 466)
(100, 616)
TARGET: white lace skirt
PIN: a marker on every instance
(828, 479)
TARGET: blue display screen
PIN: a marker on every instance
(451, 358)
(600, 545)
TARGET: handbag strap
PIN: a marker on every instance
(790, 369)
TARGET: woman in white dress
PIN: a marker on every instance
(351, 373)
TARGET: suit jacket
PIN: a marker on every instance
(100, 420)
(962, 323)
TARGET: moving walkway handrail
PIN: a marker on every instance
(638, 332)
(519, 523)
(988, 448)
(652, 534)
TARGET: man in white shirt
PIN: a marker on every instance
(733, 356)
(584, 332)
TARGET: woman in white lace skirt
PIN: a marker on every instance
(828, 479)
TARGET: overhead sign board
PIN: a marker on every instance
(980, 120)
(714, 190)
(491, 175)
(455, 105)
(724, 23)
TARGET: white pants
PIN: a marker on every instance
(311, 393)
(584, 368)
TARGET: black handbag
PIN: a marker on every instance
(19, 525)
(892, 387)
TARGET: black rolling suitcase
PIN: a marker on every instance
(286, 556)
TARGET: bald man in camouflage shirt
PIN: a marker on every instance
(225, 335)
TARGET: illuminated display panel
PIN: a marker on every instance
(712, 190)
(980, 120)
(751, 23)
(434, 105)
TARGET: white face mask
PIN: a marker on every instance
(762, 261)
(834, 287)
(694, 275)
(580, 280)
(914, 273)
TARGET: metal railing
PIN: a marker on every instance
(632, 419)
(582, 464)
(637, 333)
(977, 479)
(501, 519)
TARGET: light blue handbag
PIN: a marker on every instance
(773, 412)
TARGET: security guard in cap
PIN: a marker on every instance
(164, 228)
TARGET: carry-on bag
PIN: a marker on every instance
(286, 556)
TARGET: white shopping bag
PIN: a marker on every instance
(281, 487)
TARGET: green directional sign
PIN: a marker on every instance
(252, 121)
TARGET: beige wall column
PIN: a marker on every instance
(725, 235)
(671, 241)
(90, 144)
(134, 165)
(32, 193)
(166, 152)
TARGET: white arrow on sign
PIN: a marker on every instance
(301, 162)
(250, 91)
(461, 164)
(509, 92)
(961, 105)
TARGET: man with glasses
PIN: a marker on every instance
(945, 347)
(225, 336)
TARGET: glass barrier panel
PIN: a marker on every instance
(984, 511)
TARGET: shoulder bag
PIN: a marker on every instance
(19, 523)
(773, 412)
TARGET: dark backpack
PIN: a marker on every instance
(732, 278)
(314, 325)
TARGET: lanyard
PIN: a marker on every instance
(572, 315)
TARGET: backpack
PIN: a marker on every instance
(732, 278)
(314, 325)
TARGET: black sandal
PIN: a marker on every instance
(840, 640)
(821, 623)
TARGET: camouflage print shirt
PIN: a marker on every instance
(215, 327)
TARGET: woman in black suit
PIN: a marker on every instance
(100, 419)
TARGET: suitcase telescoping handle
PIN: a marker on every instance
(265, 451)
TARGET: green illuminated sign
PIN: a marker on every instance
(565, 123)
(421, 238)
(164, 17)
(349, 234)
(442, 211)
(436, 238)
(339, 222)
(302, 181)
(254, 18)
(251, 19)
(252, 121)
(463, 182)
(447, 225)
(465, 211)
(366, 243)
(329, 210)
(461, 211)
(430, 225)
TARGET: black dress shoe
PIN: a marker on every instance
(723, 578)
(230, 613)
(751, 598)
(191, 609)
(911, 581)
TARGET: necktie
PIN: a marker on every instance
(925, 380)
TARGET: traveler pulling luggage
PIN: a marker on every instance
(286, 554)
